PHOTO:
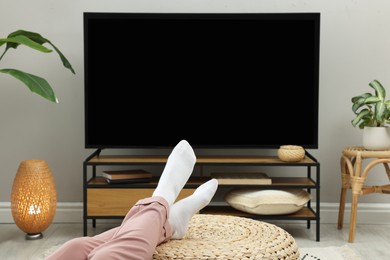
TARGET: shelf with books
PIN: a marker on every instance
(100, 182)
(107, 200)
(127, 176)
(193, 182)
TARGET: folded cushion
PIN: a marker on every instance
(268, 202)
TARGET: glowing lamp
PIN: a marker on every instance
(33, 198)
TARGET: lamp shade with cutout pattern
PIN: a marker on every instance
(33, 198)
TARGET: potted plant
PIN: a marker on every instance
(372, 114)
(35, 41)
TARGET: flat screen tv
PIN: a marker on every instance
(218, 80)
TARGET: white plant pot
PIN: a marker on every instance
(376, 138)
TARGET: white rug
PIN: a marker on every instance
(315, 253)
(329, 253)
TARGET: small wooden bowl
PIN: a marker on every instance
(291, 153)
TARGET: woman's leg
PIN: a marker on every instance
(139, 226)
(176, 173)
(139, 234)
(146, 226)
(79, 248)
(182, 211)
(137, 237)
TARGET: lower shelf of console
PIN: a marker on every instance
(106, 201)
(118, 201)
(305, 213)
(114, 202)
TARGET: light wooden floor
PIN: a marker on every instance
(371, 241)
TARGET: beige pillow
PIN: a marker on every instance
(268, 202)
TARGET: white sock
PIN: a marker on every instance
(176, 173)
(182, 211)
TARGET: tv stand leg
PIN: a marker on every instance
(85, 233)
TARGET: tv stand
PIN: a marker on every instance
(112, 201)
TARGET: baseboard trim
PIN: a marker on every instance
(368, 213)
(67, 212)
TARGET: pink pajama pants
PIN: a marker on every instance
(144, 227)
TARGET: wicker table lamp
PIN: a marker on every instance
(33, 198)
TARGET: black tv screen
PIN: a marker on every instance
(218, 80)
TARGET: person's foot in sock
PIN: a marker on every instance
(182, 211)
(176, 173)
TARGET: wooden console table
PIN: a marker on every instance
(110, 201)
(354, 175)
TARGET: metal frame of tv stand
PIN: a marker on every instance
(309, 165)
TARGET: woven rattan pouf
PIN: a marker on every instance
(229, 237)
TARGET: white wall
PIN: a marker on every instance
(355, 49)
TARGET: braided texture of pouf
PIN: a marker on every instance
(230, 238)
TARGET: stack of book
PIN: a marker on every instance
(242, 178)
(127, 176)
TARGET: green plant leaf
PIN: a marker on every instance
(372, 100)
(364, 101)
(363, 116)
(20, 39)
(379, 89)
(380, 109)
(35, 41)
(36, 84)
(357, 106)
(360, 99)
(65, 62)
(38, 39)
(371, 110)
